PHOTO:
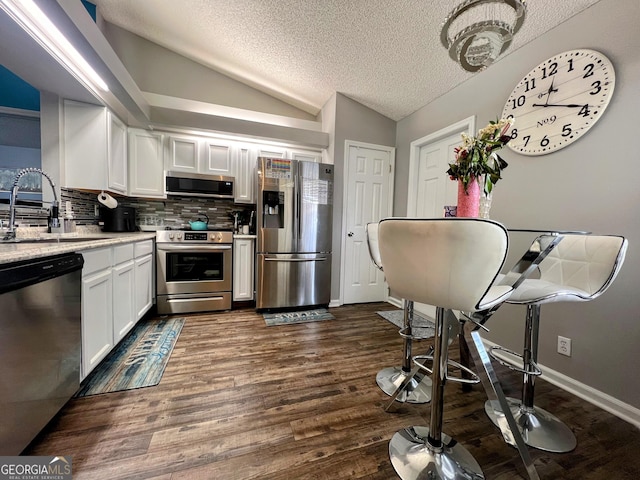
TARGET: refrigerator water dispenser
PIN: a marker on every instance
(273, 210)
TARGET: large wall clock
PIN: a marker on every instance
(559, 101)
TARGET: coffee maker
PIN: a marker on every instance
(119, 219)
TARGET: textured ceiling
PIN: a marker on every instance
(385, 54)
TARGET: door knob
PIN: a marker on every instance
(350, 234)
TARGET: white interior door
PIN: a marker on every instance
(368, 198)
(430, 188)
(435, 188)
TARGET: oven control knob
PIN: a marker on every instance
(178, 236)
(170, 236)
(219, 237)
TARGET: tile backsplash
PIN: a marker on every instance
(173, 212)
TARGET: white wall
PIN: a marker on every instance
(353, 121)
(589, 185)
(156, 69)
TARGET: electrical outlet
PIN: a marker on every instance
(564, 346)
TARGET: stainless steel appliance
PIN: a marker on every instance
(295, 205)
(40, 344)
(193, 271)
(199, 185)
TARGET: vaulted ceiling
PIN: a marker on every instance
(385, 54)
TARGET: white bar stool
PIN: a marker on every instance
(579, 269)
(389, 379)
(451, 263)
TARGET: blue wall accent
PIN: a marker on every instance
(91, 8)
(16, 93)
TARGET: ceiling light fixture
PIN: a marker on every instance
(484, 29)
(33, 21)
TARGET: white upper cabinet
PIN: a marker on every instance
(216, 158)
(85, 145)
(305, 155)
(117, 154)
(289, 153)
(244, 188)
(246, 161)
(272, 152)
(183, 153)
(146, 164)
(95, 153)
(194, 154)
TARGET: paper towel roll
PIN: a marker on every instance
(107, 200)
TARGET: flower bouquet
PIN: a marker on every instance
(477, 161)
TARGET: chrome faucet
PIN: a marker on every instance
(53, 222)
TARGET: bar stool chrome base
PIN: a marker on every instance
(417, 391)
(414, 458)
(539, 428)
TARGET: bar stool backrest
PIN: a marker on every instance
(585, 262)
(372, 242)
(446, 262)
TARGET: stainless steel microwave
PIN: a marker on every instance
(199, 185)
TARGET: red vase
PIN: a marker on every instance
(469, 201)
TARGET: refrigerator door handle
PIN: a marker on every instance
(298, 186)
(321, 259)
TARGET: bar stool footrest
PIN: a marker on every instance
(403, 334)
(534, 369)
(473, 380)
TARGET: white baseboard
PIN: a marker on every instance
(395, 302)
(334, 303)
(622, 410)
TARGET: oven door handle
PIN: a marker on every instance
(191, 247)
(318, 259)
(195, 299)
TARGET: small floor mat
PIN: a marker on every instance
(139, 359)
(303, 316)
(422, 327)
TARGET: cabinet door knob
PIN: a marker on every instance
(350, 234)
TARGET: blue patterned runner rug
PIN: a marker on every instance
(304, 316)
(139, 359)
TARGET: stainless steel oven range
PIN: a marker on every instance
(193, 271)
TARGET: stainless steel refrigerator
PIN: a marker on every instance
(294, 213)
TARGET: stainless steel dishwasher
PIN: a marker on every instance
(40, 344)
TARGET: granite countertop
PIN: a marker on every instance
(36, 247)
(242, 235)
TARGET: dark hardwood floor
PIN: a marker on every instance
(240, 400)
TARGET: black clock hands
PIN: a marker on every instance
(549, 92)
(570, 105)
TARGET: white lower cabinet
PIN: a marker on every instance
(97, 308)
(117, 290)
(243, 268)
(123, 286)
(143, 290)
